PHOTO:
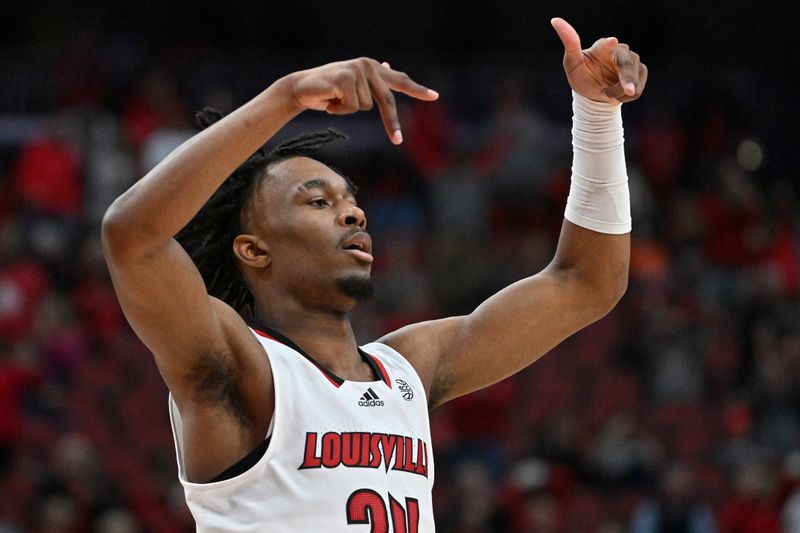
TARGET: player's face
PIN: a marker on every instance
(315, 232)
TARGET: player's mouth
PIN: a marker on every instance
(360, 245)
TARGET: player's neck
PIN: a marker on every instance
(326, 336)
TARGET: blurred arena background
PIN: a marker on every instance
(680, 411)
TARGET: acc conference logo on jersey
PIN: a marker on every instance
(370, 399)
(405, 389)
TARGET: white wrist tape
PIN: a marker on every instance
(598, 196)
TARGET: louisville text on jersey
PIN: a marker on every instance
(365, 450)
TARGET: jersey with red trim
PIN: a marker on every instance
(343, 456)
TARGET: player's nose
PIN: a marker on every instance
(353, 215)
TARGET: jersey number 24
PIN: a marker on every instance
(365, 506)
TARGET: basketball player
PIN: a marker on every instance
(285, 424)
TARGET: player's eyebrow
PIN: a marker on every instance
(323, 183)
(316, 183)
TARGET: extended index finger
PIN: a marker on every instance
(402, 83)
(383, 85)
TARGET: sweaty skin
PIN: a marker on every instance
(293, 250)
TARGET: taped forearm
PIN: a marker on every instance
(598, 198)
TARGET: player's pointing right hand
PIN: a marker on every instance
(349, 86)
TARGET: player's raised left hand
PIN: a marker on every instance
(608, 71)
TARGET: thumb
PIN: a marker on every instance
(569, 38)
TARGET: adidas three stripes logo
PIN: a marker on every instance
(370, 399)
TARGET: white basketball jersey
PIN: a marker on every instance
(343, 456)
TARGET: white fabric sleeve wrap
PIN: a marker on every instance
(598, 196)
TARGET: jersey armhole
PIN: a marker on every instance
(245, 463)
(248, 461)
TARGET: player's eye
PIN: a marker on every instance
(319, 202)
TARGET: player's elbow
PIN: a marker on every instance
(117, 231)
(595, 297)
(114, 226)
(616, 293)
(607, 294)
(596, 293)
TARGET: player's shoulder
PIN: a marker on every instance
(380, 347)
(422, 339)
(422, 344)
(385, 354)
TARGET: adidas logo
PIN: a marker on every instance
(370, 399)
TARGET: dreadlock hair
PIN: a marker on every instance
(208, 237)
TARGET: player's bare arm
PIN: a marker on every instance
(211, 363)
(584, 281)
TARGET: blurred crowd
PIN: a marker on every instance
(678, 412)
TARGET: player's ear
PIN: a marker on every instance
(252, 251)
